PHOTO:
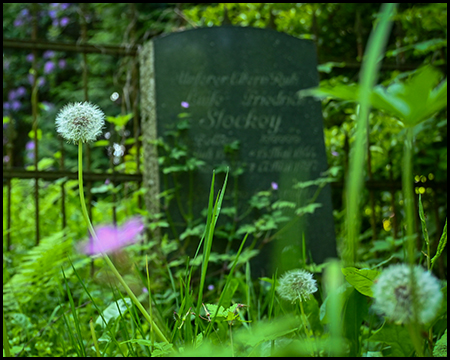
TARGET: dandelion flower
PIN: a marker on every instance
(80, 122)
(392, 293)
(110, 238)
(296, 285)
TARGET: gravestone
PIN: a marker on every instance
(241, 84)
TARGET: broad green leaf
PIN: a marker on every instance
(411, 101)
(356, 309)
(212, 308)
(361, 279)
(112, 311)
(395, 336)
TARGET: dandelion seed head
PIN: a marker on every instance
(393, 294)
(80, 122)
(296, 284)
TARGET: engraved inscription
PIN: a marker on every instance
(258, 114)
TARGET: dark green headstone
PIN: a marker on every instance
(241, 84)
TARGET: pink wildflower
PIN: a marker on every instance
(110, 238)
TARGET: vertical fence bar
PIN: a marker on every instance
(394, 211)
(34, 115)
(63, 185)
(84, 38)
(111, 165)
(10, 133)
(373, 220)
(135, 96)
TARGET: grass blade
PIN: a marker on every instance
(369, 72)
(441, 245)
(213, 214)
(79, 338)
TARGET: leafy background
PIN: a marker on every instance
(340, 31)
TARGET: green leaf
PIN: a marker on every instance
(440, 349)
(280, 204)
(159, 349)
(441, 245)
(327, 67)
(423, 222)
(174, 168)
(101, 143)
(308, 209)
(246, 229)
(397, 337)
(412, 101)
(419, 48)
(120, 120)
(45, 163)
(113, 311)
(361, 279)
(356, 309)
(39, 134)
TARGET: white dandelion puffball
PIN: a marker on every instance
(392, 293)
(80, 122)
(296, 284)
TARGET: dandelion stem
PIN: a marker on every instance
(306, 325)
(106, 258)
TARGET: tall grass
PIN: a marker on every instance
(358, 154)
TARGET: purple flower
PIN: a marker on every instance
(64, 21)
(18, 22)
(110, 238)
(274, 185)
(185, 104)
(12, 95)
(16, 105)
(52, 14)
(21, 91)
(62, 63)
(40, 82)
(48, 54)
(48, 67)
(29, 145)
(334, 153)
(30, 57)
